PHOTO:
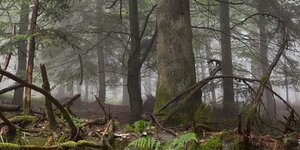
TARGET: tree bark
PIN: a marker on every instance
(22, 47)
(101, 59)
(31, 52)
(210, 69)
(48, 104)
(134, 64)
(268, 98)
(228, 92)
(175, 57)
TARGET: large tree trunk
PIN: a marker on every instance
(175, 58)
(101, 59)
(125, 95)
(268, 98)
(22, 47)
(31, 52)
(228, 93)
(134, 64)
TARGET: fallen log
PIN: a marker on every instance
(9, 107)
(65, 146)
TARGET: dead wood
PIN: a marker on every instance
(10, 88)
(107, 115)
(70, 101)
(65, 114)
(6, 63)
(163, 128)
(9, 107)
(67, 145)
(12, 129)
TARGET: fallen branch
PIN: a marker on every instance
(6, 63)
(9, 107)
(65, 146)
(161, 127)
(107, 116)
(70, 101)
(51, 98)
(10, 88)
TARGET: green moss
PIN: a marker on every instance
(213, 143)
(26, 118)
(162, 97)
(9, 146)
(69, 145)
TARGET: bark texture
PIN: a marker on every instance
(31, 52)
(268, 98)
(175, 57)
(134, 64)
(228, 92)
(22, 47)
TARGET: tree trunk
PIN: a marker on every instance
(48, 104)
(86, 95)
(31, 52)
(134, 64)
(210, 69)
(228, 93)
(175, 57)
(125, 91)
(22, 47)
(268, 98)
(101, 59)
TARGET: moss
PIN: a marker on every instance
(162, 97)
(69, 145)
(203, 114)
(26, 118)
(213, 142)
(9, 146)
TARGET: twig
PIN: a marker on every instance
(6, 63)
(107, 116)
(10, 88)
(161, 127)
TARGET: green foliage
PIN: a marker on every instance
(181, 142)
(78, 121)
(213, 143)
(145, 143)
(138, 126)
(9, 146)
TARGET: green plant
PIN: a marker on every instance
(213, 143)
(145, 143)
(139, 126)
(181, 142)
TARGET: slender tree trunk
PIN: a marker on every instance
(268, 97)
(175, 59)
(48, 105)
(134, 64)
(125, 90)
(210, 68)
(22, 47)
(31, 52)
(86, 95)
(228, 93)
(101, 59)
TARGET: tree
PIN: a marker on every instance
(100, 56)
(268, 98)
(174, 56)
(134, 66)
(226, 65)
(22, 48)
(31, 53)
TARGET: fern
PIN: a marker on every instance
(147, 143)
(181, 141)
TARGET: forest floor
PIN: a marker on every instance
(90, 118)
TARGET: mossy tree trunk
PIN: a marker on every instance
(175, 57)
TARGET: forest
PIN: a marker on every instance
(149, 74)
